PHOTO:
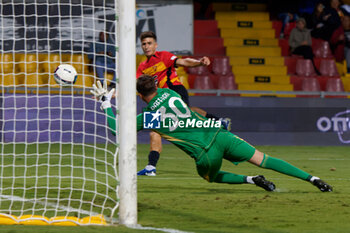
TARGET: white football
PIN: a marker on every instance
(65, 75)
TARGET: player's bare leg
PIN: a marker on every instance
(153, 156)
(262, 160)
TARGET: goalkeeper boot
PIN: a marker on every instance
(321, 185)
(226, 123)
(263, 183)
(149, 170)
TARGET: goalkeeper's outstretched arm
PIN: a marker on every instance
(111, 119)
(104, 97)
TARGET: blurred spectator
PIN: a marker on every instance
(102, 53)
(340, 39)
(300, 41)
(286, 11)
(286, 18)
(316, 19)
(346, 27)
(331, 21)
(202, 9)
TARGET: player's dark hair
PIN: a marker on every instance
(145, 85)
(148, 34)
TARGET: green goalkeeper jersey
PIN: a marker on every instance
(168, 115)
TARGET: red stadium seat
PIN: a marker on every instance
(322, 49)
(227, 82)
(310, 84)
(199, 70)
(328, 68)
(221, 66)
(334, 85)
(203, 82)
(290, 62)
(304, 67)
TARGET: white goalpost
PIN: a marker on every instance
(60, 164)
(127, 106)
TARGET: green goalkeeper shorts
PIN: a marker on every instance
(226, 146)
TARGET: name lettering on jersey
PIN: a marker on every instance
(159, 100)
(160, 66)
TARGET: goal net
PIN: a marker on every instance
(58, 157)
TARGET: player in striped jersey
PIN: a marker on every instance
(161, 65)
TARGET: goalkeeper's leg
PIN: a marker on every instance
(237, 150)
(265, 161)
(153, 156)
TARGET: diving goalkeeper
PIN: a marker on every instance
(202, 139)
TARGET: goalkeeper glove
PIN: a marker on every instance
(102, 94)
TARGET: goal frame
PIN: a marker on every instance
(127, 105)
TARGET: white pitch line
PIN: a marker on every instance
(167, 230)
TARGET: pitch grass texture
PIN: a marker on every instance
(178, 198)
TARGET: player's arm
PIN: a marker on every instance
(191, 62)
(111, 119)
(104, 97)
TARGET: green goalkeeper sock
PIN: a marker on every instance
(284, 167)
(230, 178)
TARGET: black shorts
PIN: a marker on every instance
(181, 90)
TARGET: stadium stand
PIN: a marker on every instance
(328, 68)
(204, 82)
(310, 84)
(334, 85)
(304, 67)
(259, 60)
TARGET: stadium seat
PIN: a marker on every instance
(6, 63)
(290, 62)
(79, 61)
(199, 70)
(9, 80)
(322, 49)
(50, 63)
(304, 67)
(221, 66)
(32, 80)
(85, 81)
(28, 63)
(203, 82)
(334, 85)
(328, 68)
(310, 84)
(227, 82)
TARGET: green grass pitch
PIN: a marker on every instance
(178, 198)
